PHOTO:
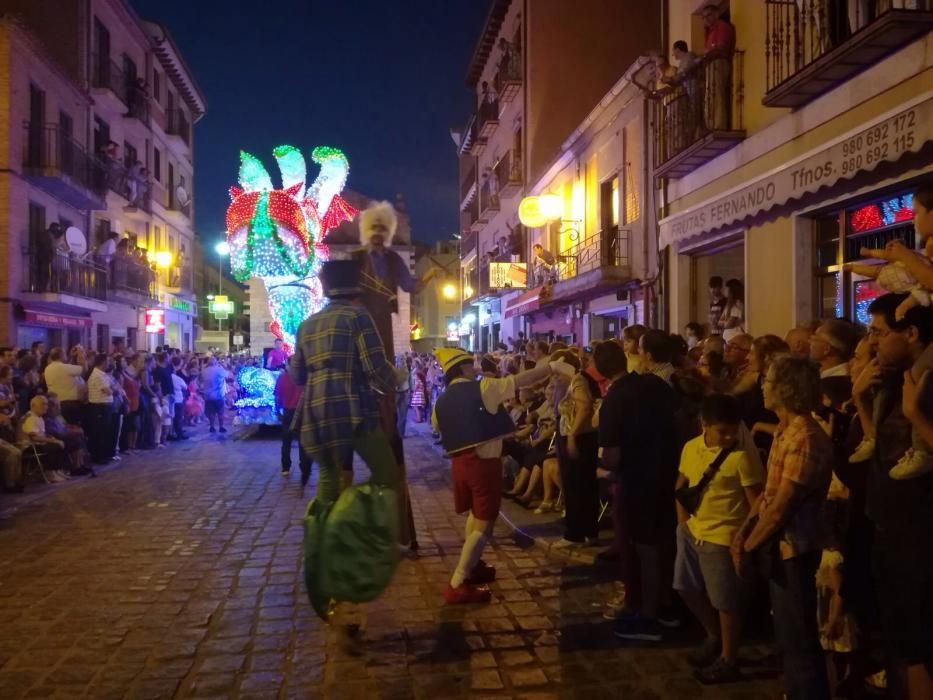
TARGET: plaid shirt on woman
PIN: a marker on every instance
(803, 453)
(338, 358)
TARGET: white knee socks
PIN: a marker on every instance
(469, 557)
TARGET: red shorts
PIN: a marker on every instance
(477, 485)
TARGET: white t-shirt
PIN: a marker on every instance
(178, 384)
(33, 425)
(737, 312)
(99, 387)
(65, 381)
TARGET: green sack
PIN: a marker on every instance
(314, 523)
(351, 549)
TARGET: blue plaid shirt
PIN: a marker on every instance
(338, 359)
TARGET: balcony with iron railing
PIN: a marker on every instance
(470, 283)
(178, 206)
(489, 196)
(508, 174)
(56, 163)
(107, 76)
(179, 127)
(468, 184)
(592, 264)
(131, 278)
(811, 46)
(51, 272)
(699, 116)
(508, 80)
(468, 242)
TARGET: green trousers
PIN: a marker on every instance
(375, 450)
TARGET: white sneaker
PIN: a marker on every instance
(564, 543)
(864, 451)
(56, 476)
(914, 463)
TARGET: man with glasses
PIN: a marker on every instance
(901, 510)
(832, 347)
(736, 355)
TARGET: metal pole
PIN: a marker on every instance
(220, 264)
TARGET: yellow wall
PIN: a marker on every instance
(810, 140)
(769, 292)
(749, 19)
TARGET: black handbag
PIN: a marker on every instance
(690, 497)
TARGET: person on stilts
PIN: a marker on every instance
(351, 534)
(472, 421)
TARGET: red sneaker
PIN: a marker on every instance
(482, 573)
(466, 593)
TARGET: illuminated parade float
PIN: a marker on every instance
(278, 236)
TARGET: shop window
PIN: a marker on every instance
(103, 337)
(865, 292)
(131, 338)
(877, 223)
(827, 240)
(830, 296)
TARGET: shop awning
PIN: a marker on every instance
(523, 303)
(56, 320)
(884, 140)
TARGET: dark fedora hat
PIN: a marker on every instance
(341, 278)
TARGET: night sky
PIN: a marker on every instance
(381, 80)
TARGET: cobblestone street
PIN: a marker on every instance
(177, 574)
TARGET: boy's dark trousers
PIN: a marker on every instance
(288, 417)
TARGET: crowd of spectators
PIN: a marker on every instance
(801, 461)
(69, 412)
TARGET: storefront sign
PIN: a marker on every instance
(883, 141)
(453, 335)
(508, 275)
(45, 319)
(238, 340)
(174, 303)
(155, 320)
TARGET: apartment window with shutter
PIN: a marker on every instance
(157, 164)
(156, 86)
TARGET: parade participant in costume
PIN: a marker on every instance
(383, 273)
(472, 422)
(350, 542)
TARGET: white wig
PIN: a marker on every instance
(377, 213)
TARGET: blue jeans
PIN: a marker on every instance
(793, 603)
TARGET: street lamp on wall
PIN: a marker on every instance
(449, 291)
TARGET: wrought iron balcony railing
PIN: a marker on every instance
(813, 45)
(699, 115)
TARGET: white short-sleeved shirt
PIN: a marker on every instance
(99, 387)
(33, 425)
(178, 384)
(65, 381)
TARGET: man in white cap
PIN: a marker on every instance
(472, 422)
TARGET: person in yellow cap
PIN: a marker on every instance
(472, 422)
